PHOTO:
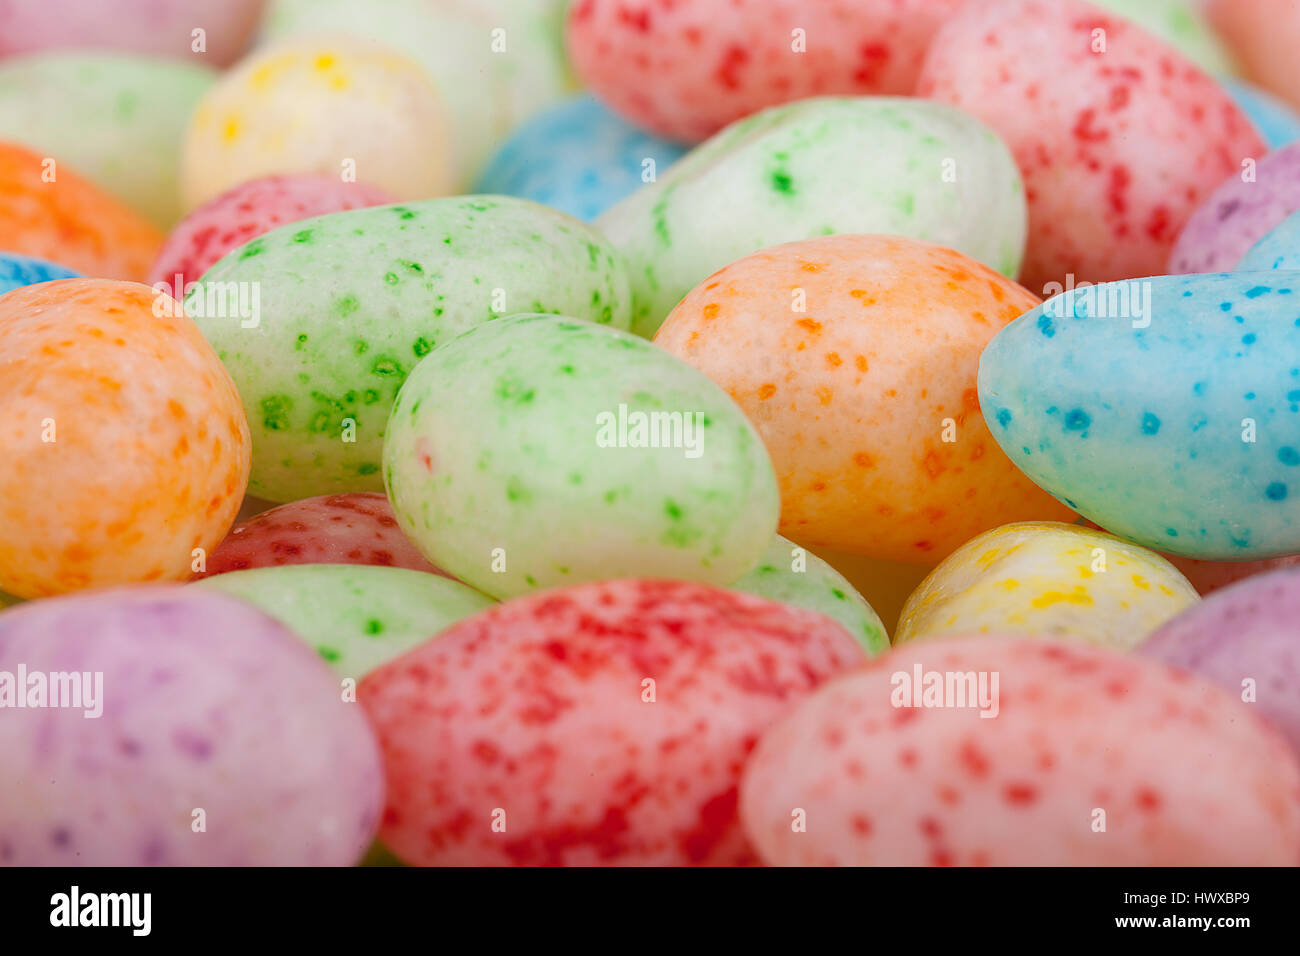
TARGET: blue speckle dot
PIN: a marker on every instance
(1256, 291)
(1248, 338)
(1171, 532)
(1275, 492)
(1004, 417)
(1293, 395)
(1077, 420)
(1150, 424)
(1025, 449)
(1288, 456)
(1225, 306)
(1240, 320)
(1250, 396)
(1070, 504)
(1199, 388)
(1045, 325)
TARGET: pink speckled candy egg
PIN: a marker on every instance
(1207, 576)
(1118, 136)
(684, 70)
(1245, 639)
(1086, 757)
(163, 28)
(211, 735)
(1263, 35)
(332, 529)
(600, 724)
(249, 210)
(1240, 212)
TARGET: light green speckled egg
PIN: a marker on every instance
(538, 451)
(118, 120)
(793, 575)
(335, 311)
(356, 616)
(820, 166)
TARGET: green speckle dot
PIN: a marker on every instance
(347, 305)
(328, 653)
(254, 248)
(374, 626)
(782, 183)
(391, 278)
(302, 340)
(368, 468)
(672, 509)
(387, 366)
(303, 236)
(422, 347)
(275, 412)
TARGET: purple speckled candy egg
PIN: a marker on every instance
(210, 735)
(1240, 212)
(1245, 638)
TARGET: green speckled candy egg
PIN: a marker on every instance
(357, 617)
(538, 451)
(348, 303)
(793, 575)
(816, 167)
(116, 119)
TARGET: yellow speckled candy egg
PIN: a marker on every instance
(123, 439)
(855, 357)
(324, 104)
(1048, 579)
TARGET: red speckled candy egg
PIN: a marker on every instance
(332, 529)
(600, 724)
(1118, 136)
(1086, 757)
(250, 210)
(686, 69)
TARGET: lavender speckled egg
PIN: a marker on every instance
(211, 736)
(1240, 212)
(1246, 639)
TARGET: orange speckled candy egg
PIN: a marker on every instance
(855, 357)
(48, 211)
(123, 440)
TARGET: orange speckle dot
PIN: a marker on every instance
(824, 395)
(863, 460)
(812, 325)
(710, 311)
(766, 391)
(833, 359)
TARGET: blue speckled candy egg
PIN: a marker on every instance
(578, 157)
(1276, 121)
(1279, 249)
(1167, 409)
(17, 271)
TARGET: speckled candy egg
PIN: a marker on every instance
(578, 157)
(1091, 758)
(1208, 576)
(1201, 459)
(69, 220)
(1245, 639)
(1047, 580)
(18, 271)
(162, 28)
(601, 724)
(1117, 145)
(1276, 122)
(1263, 36)
(488, 82)
(684, 70)
(332, 529)
(1279, 249)
(355, 617)
(118, 120)
(247, 211)
(855, 358)
(537, 451)
(124, 444)
(337, 106)
(348, 303)
(208, 711)
(1244, 208)
(813, 168)
(793, 575)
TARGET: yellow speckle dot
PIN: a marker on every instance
(1141, 582)
(1048, 598)
(324, 61)
(1010, 584)
(230, 131)
(988, 557)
